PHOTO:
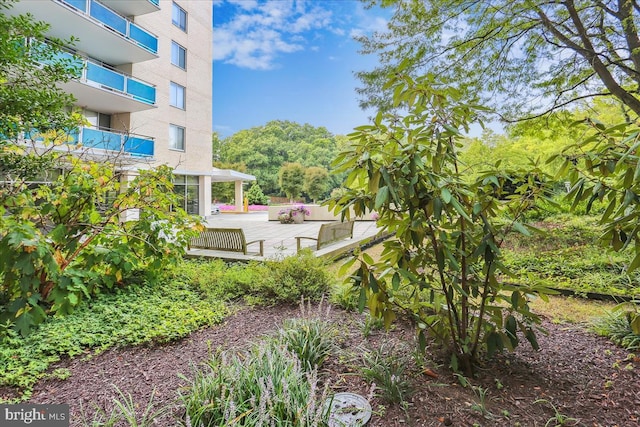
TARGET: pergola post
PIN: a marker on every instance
(239, 196)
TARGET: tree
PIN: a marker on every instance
(291, 178)
(216, 144)
(30, 74)
(256, 196)
(265, 149)
(315, 182)
(522, 58)
(443, 267)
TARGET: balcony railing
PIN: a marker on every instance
(116, 22)
(132, 145)
(108, 140)
(104, 77)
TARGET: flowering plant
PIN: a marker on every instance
(286, 215)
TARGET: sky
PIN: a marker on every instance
(289, 60)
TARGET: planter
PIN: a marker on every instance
(298, 219)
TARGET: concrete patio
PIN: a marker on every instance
(280, 239)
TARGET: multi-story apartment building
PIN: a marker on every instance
(146, 85)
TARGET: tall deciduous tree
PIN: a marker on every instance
(524, 58)
(291, 177)
(316, 180)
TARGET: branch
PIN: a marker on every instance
(553, 108)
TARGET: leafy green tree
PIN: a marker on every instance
(514, 151)
(256, 196)
(216, 145)
(291, 176)
(523, 58)
(315, 182)
(30, 74)
(443, 268)
(265, 149)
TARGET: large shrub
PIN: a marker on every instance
(63, 238)
(443, 267)
(278, 281)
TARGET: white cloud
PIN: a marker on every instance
(244, 4)
(259, 32)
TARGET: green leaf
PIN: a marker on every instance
(382, 197)
(73, 299)
(634, 322)
(531, 337)
(521, 229)
(362, 300)
(634, 263)
(395, 281)
(446, 195)
(458, 207)
(515, 299)
(494, 343)
(511, 326)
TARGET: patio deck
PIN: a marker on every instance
(280, 239)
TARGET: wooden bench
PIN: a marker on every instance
(329, 233)
(224, 239)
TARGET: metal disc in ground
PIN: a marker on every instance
(348, 410)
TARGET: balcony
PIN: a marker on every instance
(107, 141)
(115, 142)
(133, 8)
(102, 32)
(108, 90)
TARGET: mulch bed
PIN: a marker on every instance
(575, 374)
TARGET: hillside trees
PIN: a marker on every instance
(265, 149)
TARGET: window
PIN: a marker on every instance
(176, 137)
(187, 189)
(98, 120)
(178, 55)
(177, 95)
(179, 17)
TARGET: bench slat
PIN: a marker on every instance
(224, 239)
(330, 233)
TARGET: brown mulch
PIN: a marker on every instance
(575, 374)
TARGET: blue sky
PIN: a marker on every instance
(289, 60)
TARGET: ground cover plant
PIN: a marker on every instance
(191, 295)
(567, 254)
(130, 385)
(133, 316)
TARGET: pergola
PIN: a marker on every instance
(229, 175)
